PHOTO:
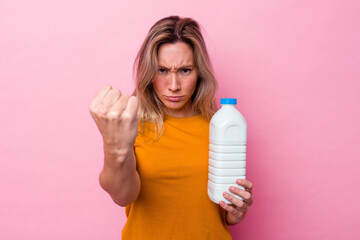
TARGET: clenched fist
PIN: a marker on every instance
(116, 118)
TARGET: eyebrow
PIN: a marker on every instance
(186, 66)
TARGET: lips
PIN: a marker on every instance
(173, 98)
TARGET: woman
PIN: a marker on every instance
(156, 141)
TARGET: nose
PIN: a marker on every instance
(174, 84)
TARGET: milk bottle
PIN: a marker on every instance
(227, 150)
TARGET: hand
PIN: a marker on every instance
(116, 118)
(237, 210)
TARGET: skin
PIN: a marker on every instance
(237, 210)
(176, 76)
(116, 118)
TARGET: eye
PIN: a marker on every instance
(185, 70)
(162, 70)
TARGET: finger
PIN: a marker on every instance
(231, 209)
(97, 100)
(102, 92)
(117, 109)
(131, 108)
(110, 99)
(240, 205)
(246, 184)
(245, 195)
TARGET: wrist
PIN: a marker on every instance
(116, 158)
(116, 151)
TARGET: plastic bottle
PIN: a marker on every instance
(227, 150)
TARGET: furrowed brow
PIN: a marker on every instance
(181, 67)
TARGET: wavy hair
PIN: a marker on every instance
(173, 29)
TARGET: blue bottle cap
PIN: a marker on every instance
(228, 101)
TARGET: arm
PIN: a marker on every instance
(120, 179)
(116, 118)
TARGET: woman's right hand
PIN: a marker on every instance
(116, 118)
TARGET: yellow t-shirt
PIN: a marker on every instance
(173, 201)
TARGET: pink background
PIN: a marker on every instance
(293, 65)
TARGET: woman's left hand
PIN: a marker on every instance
(237, 210)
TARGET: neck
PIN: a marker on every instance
(184, 112)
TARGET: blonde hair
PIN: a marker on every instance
(173, 29)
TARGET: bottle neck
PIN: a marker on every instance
(227, 105)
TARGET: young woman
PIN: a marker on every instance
(156, 141)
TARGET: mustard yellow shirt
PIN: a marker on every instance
(173, 201)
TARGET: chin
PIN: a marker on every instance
(176, 106)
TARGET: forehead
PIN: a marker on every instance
(175, 54)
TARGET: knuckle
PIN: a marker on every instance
(238, 190)
(95, 113)
(126, 116)
(225, 206)
(92, 108)
(116, 90)
(124, 98)
(230, 198)
(113, 115)
(106, 86)
(102, 115)
(247, 196)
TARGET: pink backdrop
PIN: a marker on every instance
(293, 65)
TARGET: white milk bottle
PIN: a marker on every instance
(227, 150)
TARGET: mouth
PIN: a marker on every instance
(173, 98)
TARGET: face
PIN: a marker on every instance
(176, 78)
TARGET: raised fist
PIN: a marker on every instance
(116, 118)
